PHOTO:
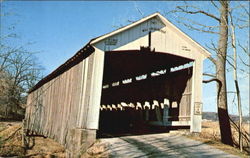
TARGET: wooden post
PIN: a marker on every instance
(196, 98)
(23, 134)
(166, 112)
(96, 90)
(79, 141)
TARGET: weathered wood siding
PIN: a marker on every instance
(62, 103)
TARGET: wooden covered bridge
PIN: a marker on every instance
(146, 73)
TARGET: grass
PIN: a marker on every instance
(97, 150)
(11, 143)
(210, 135)
(10, 140)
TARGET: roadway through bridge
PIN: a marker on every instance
(161, 146)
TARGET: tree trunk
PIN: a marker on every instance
(236, 82)
(225, 128)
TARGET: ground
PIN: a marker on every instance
(173, 144)
(11, 143)
(161, 145)
(210, 134)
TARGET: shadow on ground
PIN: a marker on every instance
(161, 145)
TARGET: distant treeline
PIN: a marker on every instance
(213, 116)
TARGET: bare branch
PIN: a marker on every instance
(248, 65)
(137, 8)
(211, 80)
(212, 59)
(191, 27)
(210, 75)
(218, 83)
(246, 51)
(215, 5)
(198, 12)
(213, 48)
(242, 26)
(231, 92)
(245, 9)
(229, 62)
(202, 25)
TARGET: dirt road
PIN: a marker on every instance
(161, 146)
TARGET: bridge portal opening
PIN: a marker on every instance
(144, 92)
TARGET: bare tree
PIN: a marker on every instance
(19, 71)
(232, 26)
(221, 29)
(244, 17)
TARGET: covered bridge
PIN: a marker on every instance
(146, 73)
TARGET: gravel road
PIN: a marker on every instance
(161, 146)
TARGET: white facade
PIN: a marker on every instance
(166, 38)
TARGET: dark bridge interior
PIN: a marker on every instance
(136, 85)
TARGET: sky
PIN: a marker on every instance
(58, 29)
